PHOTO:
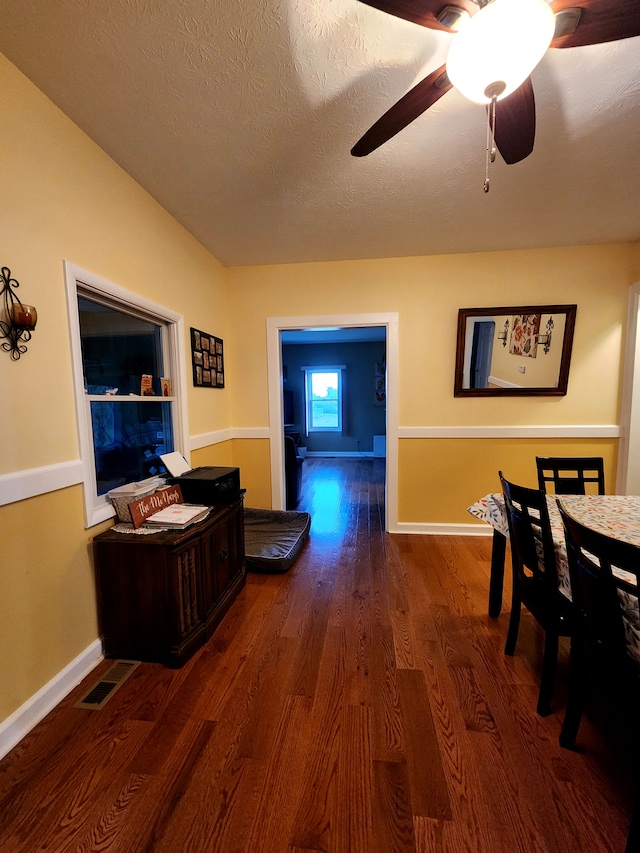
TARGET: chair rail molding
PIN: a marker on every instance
(31, 482)
(519, 431)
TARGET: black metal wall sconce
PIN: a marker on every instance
(545, 340)
(502, 335)
(20, 320)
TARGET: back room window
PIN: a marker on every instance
(323, 387)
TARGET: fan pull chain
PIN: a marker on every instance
(491, 139)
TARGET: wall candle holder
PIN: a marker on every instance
(502, 335)
(20, 319)
(545, 340)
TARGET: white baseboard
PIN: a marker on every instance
(346, 454)
(431, 529)
(20, 723)
(502, 383)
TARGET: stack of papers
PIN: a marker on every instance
(177, 516)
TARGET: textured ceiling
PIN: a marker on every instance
(238, 117)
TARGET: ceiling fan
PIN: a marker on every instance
(492, 38)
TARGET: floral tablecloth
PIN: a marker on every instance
(613, 515)
(491, 509)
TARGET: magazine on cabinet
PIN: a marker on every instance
(177, 516)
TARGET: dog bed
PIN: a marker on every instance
(273, 539)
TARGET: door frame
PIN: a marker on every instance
(275, 325)
(478, 327)
(628, 474)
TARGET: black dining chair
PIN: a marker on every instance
(535, 580)
(571, 475)
(605, 578)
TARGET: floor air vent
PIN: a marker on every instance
(104, 689)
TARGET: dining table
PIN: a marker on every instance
(613, 515)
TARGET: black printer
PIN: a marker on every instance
(209, 485)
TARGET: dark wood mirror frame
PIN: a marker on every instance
(558, 390)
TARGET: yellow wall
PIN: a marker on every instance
(251, 456)
(63, 198)
(47, 607)
(427, 293)
(442, 477)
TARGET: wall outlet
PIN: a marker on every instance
(522, 369)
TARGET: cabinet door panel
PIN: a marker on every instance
(222, 557)
(186, 562)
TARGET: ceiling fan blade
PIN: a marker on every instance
(515, 129)
(425, 12)
(402, 113)
(600, 21)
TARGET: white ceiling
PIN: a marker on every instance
(238, 117)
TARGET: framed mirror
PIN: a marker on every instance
(514, 351)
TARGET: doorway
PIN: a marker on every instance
(481, 351)
(277, 325)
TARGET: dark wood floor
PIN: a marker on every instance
(360, 702)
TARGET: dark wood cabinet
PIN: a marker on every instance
(162, 595)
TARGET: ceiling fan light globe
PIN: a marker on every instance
(500, 44)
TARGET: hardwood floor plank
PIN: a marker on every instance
(472, 700)
(428, 785)
(428, 834)
(312, 642)
(176, 779)
(270, 693)
(388, 736)
(360, 702)
(281, 790)
(468, 827)
(67, 785)
(351, 826)
(392, 812)
(403, 639)
(241, 641)
(312, 824)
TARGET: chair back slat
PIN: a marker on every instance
(530, 533)
(535, 580)
(571, 475)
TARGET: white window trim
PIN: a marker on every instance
(331, 368)
(99, 509)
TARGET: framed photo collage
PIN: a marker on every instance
(207, 360)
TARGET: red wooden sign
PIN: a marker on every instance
(144, 507)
